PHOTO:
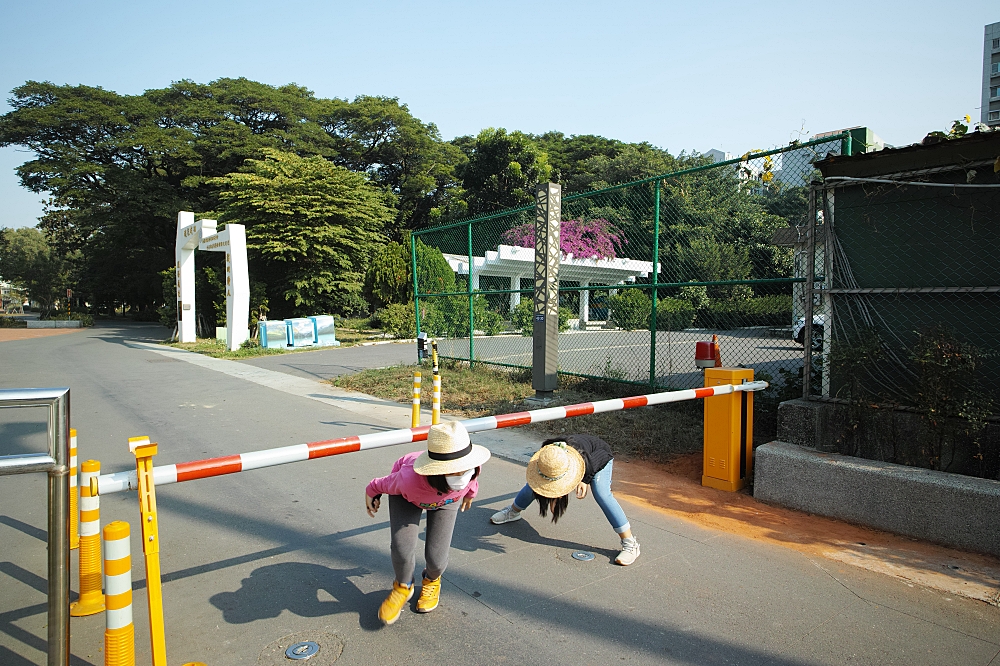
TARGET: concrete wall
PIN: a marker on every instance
(950, 509)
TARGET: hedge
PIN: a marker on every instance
(759, 311)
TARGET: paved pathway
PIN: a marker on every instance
(254, 557)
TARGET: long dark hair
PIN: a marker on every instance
(439, 484)
(558, 507)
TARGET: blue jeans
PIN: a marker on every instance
(600, 486)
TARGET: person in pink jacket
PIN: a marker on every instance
(442, 481)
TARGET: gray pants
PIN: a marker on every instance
(404, 525)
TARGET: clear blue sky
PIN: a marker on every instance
(692, 75)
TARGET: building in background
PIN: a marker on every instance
(991, 75)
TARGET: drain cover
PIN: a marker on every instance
(583, 556)
(316, 647)
(302, 650)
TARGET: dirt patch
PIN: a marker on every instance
(675, 489)
(9, 334)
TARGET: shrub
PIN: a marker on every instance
(11, 322)
(449, 316)
(398, 320)
(630, 309)
(388, 279)
(83, 318)
(522, 317)
(759, 311)
(674, 314)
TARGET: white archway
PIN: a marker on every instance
(202, 235)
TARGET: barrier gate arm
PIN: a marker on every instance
(202, 469)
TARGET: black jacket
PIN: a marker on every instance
(595, 451)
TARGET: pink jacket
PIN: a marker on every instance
(402, 480)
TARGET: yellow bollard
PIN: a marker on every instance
(74, 514)
(415, 416)
(144, 452)
(119, 632)
(91, 599)
(436, 401)
(434, 357)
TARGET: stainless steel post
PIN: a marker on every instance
(56, 464)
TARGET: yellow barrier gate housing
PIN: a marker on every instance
(728, 431)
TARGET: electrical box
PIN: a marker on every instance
(728, 431)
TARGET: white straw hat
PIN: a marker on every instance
(555, 470)
(449, 450)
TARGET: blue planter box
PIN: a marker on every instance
(301, 332)
(324, 331)
(273, 334)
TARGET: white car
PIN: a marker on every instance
(799, 330)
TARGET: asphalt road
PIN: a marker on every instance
(626, 354)
(250, 558)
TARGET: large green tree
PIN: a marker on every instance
(31, 264)
(119, 167)
(502, 170)
(312, 228)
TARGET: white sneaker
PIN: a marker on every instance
(630, 551)
(505, 515)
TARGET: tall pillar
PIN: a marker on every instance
(545, 325)
(584, 304)
(515, 297)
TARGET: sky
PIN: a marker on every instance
(736, 76)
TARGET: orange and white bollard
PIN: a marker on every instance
(415, 416)
(91, 599)
(436, 401)
(74, 495)
(119, 632)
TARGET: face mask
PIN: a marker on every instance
(459, 482)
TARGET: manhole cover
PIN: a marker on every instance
(302, 650)
(583, 556)
(315, 648)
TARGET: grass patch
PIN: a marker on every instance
(655, 433)
(217, 349)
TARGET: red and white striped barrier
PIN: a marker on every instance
(202, 469)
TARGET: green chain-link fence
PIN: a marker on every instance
(648, 269)
(911, 295)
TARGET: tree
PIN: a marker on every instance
(312, 228)
(388, 280)
(501, 171)
(590, 239)
(28, 261)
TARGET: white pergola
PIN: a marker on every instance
(516, 263)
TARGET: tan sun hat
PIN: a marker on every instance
(449, 450)
(555, 470)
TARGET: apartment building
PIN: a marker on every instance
(991, 75)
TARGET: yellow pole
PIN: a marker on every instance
(91, 599)
(144, 452)
(119, 632)
(74, 513)
(434, 350)
(436, 401)
(415, 416)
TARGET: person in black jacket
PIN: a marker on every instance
(566, 463)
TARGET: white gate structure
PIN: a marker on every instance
(232, 240)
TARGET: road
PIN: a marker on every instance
(626, 354)
(254, 557)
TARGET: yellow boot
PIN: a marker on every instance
(390, 609)
(430, 593)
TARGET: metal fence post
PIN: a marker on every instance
(809, 289)
(545, 319)
(472, 316)
(656, 279)
(416, 287)
(56, 464)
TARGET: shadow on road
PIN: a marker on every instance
(297, 587)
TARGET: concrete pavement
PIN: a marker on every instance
(251, 558)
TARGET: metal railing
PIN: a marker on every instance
(56, 464)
